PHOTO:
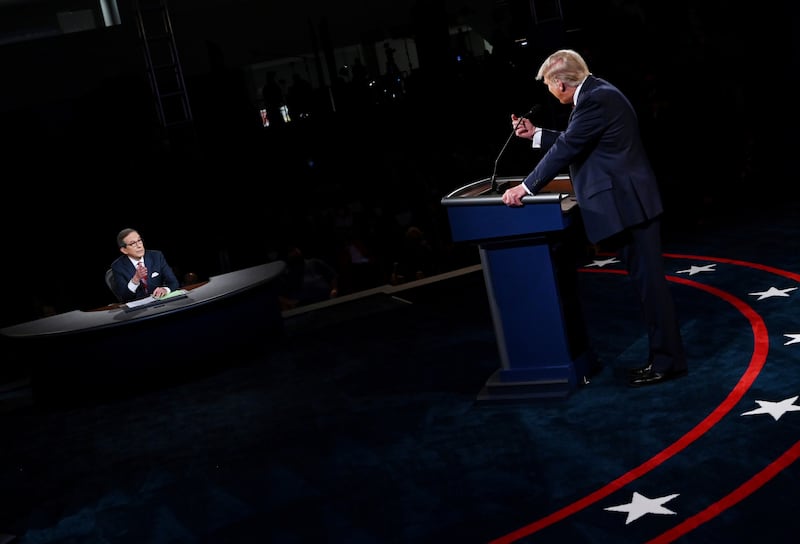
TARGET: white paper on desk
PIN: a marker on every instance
(141, 302)
(151, 299)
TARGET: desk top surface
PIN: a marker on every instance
(215, 288)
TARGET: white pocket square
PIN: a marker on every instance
(154, 274)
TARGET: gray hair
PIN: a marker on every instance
(121, 236)
(566, 66)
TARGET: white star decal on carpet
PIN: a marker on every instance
(604, 262)
(775, 409)
(795, 339)
(697, 269)
(773, 292)
(641, 505)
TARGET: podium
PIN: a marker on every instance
(528, 258)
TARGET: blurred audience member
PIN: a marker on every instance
(416, 258)
(306, 280)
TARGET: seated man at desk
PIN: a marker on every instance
(139, 273)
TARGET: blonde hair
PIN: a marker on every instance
(566, 66)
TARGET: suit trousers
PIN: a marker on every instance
(639, 248)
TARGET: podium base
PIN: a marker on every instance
(538, 383)
(497, 390)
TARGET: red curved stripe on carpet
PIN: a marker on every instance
(770, 269)
(737, 495)
(757, 360)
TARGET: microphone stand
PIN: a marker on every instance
(513, 131)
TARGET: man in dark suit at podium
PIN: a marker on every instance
(139, 273)
(617, 193)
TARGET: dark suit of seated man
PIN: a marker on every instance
(139, 273)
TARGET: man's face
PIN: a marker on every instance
(134, 246)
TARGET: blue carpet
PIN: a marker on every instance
(361, 425)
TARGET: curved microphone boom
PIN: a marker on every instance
(528, 115)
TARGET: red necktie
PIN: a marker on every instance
(144, 280)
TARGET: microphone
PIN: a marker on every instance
(531, 112)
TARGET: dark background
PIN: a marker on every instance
(84, 154)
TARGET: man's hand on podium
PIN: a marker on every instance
(513, 196)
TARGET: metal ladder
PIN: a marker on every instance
(163, 66)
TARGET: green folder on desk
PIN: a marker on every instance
(151, 301)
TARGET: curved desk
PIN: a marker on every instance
(227, 315)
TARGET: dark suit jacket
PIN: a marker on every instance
(614, 183)
(159, 274)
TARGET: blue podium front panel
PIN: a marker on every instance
(527, 311)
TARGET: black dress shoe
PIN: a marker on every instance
(648, 376)
(634, 372)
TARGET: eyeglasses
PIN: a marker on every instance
(135, 242)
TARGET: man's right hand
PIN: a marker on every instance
(523, 128)
(141, 273)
